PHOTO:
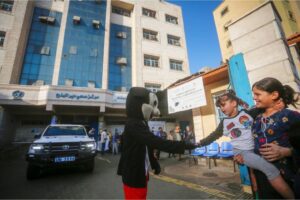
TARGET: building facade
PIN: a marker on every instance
(78, 59)
(229, 11)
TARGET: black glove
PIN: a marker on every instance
(157, 170)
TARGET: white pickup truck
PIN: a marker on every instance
(61, 145)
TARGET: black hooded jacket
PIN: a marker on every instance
(136, 138)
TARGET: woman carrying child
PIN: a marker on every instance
(238, 126)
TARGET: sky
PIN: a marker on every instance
(200, 33)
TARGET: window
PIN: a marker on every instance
(6, 5)
(228, 43)
(2, 38)
(224, 11)
(120, 11)
(171, 19)
(219, 114)
(176, 65)
(149, 13)
(153, 87)
(73, 50)
(291, 15)
(150, 35)
(173, 40)
(151, 61)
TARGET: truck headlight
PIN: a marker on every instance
(88, 146)
(34, 148)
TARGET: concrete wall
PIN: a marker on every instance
(259, 36)
(237, 9)
(17, 25)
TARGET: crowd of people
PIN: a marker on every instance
(107, 141)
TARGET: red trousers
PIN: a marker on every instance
(134, 193)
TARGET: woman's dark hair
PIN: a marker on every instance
(230, 95)
(286, 92)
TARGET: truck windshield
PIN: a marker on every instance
(64, 130)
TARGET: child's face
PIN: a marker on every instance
(229, 107)
(264, 99)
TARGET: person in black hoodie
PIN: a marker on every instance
(138, 143)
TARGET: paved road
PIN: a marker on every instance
(102, 183)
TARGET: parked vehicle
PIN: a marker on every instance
(61, 145)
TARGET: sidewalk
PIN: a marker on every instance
(220, 178)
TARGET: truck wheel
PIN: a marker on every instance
(33, 172)
(89, 166)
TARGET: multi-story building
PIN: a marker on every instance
(77, 59)
(229, 11)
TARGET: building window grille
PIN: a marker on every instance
(120, 11)
(2, 38)
(176, 65)
(149, 13)
(122, 35)
(153, 87)
(73, 50)
(151, 61)
(150, 35)
(224, 11)
(171, 19)
(94, 52)
(173, 40)
(6, 5)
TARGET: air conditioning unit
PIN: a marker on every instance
(76, 19)
(97, 1)
(122, 61)
(96, 24)
(39, 82)
(122, 35)
(123, 89)
(47, 20)
(91, 84)
(69, 82)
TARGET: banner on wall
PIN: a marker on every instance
(186, 96)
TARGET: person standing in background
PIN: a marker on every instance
(115, 142)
